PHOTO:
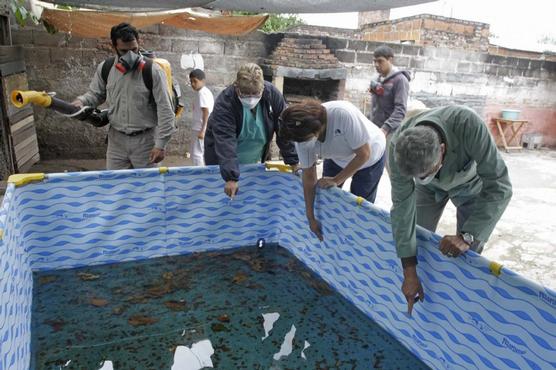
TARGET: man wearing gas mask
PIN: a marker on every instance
(389, 91)
(241, 126)
(442, 154)
(141, 120)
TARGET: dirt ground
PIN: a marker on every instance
(524, 239)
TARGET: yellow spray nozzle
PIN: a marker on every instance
(21, 98)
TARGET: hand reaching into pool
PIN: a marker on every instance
(314, 225)
(231, 188)
(411, 287)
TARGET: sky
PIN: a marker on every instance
(516, 24)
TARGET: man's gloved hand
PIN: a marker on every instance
(156, 155)
(98, 118)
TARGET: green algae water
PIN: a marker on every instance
(248, 308)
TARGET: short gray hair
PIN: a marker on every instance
(417, 151)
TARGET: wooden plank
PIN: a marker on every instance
(25, 147)
(22, 123)
(25, 159)
(21, 114)
(26, 150)
(27, 165)
(23, 133)
(24, 143)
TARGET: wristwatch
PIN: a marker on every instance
(467, 238)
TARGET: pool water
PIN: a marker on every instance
(248, 308)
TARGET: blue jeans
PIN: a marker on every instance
(364, 182)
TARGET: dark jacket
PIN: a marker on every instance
(224, 127)
(389, 109)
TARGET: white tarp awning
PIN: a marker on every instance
(259, 6)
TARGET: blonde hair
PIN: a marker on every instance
(249, 79)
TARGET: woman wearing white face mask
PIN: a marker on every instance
(242, 124)
(351, 145)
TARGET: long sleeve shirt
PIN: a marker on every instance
(131, 107)
(470, 153)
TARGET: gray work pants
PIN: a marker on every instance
(126, 152)
(430, 205)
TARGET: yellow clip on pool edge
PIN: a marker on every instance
(25, 178)
(279, 167)
(495, 268)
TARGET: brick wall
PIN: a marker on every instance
(302, 52)
(324, 31)
(507, 52)
(426, 29)
(372, 17)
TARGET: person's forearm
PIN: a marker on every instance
(90, 99)
(353, 166)
(409, 262)
(205, 119)
(309, 183)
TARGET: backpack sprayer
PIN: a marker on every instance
(93, 116)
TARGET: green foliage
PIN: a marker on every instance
(277, 22)
(22, 15)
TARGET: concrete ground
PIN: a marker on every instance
(524, 239)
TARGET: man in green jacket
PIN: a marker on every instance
(443, 154)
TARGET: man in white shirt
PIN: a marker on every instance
(350, 144)
(202, 105)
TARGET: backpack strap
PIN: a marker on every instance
(106, 67)
(147, 72)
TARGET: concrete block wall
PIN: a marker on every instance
(483, 81)
(66, 65)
